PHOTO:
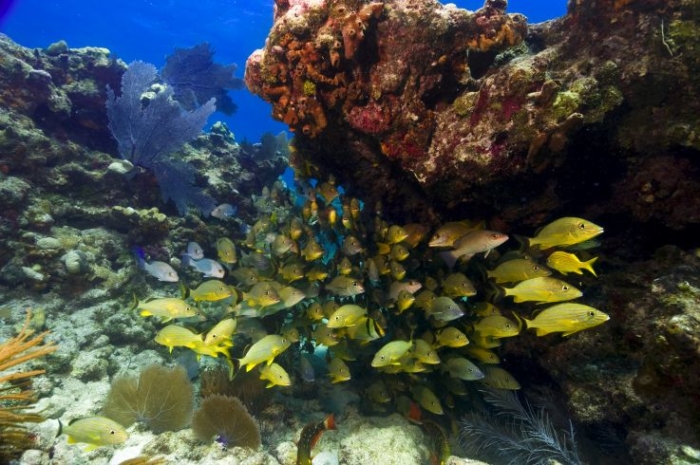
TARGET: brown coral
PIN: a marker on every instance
(161, 397)
(227, 421)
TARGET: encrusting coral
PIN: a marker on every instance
(16, 398)
(160, 397)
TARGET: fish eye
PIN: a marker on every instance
(112, 432)
(591, 314)
(582, 225)
(565, 288)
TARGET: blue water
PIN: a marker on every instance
(149, 30)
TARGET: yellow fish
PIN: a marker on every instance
(424, 353)
(292, 272)
(404, 300)
(221, 332)
(262, 295)
(347, 315)
(390, 353)
(312, 250)
(416, 233)
(427, 399)
(265, 350)
(395, 234)
(498, 378)
(317, 273)
(94, 431)
(226, 250)
(482, 355)
(378, 392)
(567, 318)
(325, 336)
(496, 326)
(458, 285)
(366, 331)
(345, 286)
(177, 336)
(518, 269)
(448, 233)
(450, 337)
(564, 232)
(338, 371)
(166, 308)
(566, 263)
(275, 375)
(542, 290)
(462, 368)
(212, 290)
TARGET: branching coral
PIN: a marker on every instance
(16, 398)
(160, 397)
(527, 436)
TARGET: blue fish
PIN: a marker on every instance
(160, 270)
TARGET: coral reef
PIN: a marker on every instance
(455, 111)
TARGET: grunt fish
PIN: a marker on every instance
(518, 269)
(345, 286)
(166, 308)
(346, 315)
(542, 290)
(567, 318)
(338, 371)
(566, 263)
(94, 431)
(177, 336)
(275, 375)
(265, 350)
(226, 251)
(565, 232)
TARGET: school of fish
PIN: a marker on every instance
(412, 317)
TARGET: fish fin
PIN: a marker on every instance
(542, 332)
(186, 260)
(449, 258)
(60, 428)
(134, 303)
(567, 334)
(90, 447)
(589, 265)
(520, 321)
(184, 291)
(329, 422)
(145, 313)
(140, 256)
(71, 440)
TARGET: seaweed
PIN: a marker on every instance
(160, 397)
(517, 432)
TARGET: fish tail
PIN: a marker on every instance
(589, 265)
(184, 291)
(329, 422)
(520, 321)
(134, 303)
(186, 260)
(449, 258)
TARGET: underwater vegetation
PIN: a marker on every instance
(15, 390)
(517, 433)
(162, 398)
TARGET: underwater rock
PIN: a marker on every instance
(454, 111)
(75, 262)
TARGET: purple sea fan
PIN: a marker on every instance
(225, 420)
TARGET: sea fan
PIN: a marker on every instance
(160, 397)
(517, 432)
(225, 420)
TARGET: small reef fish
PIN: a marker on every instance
(221, 333)
(448, 233)
(438, 445)
(378, 392)
(458, 285)
(351, 246)
(224, 210)
(345, 286)
(395, 234)
(166, 308)
(365, 332)
(310, 435)
(275, 375)
(177, 336)
(450, 337)
(565, 232)
(226, 251)
(261, 294)
(518, 269)
(473, 243)
(390, 353)
(281, 245)
(482, 355)
(159, 270)
(543, 290)
(566, 263)
(445, 309)
(194, 251)
(338, 371)
(425, 353)
(427, 399)
(265, 350)
(498, 378)
(416, 232)
(208, 267)
(464, 369)
(496, 326)
(212, 290)
(93, 431)
(346, 315)
(567, 318)
(292, 272)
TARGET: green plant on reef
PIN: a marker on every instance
(160, 397)
(15, 396)
(225, 420)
